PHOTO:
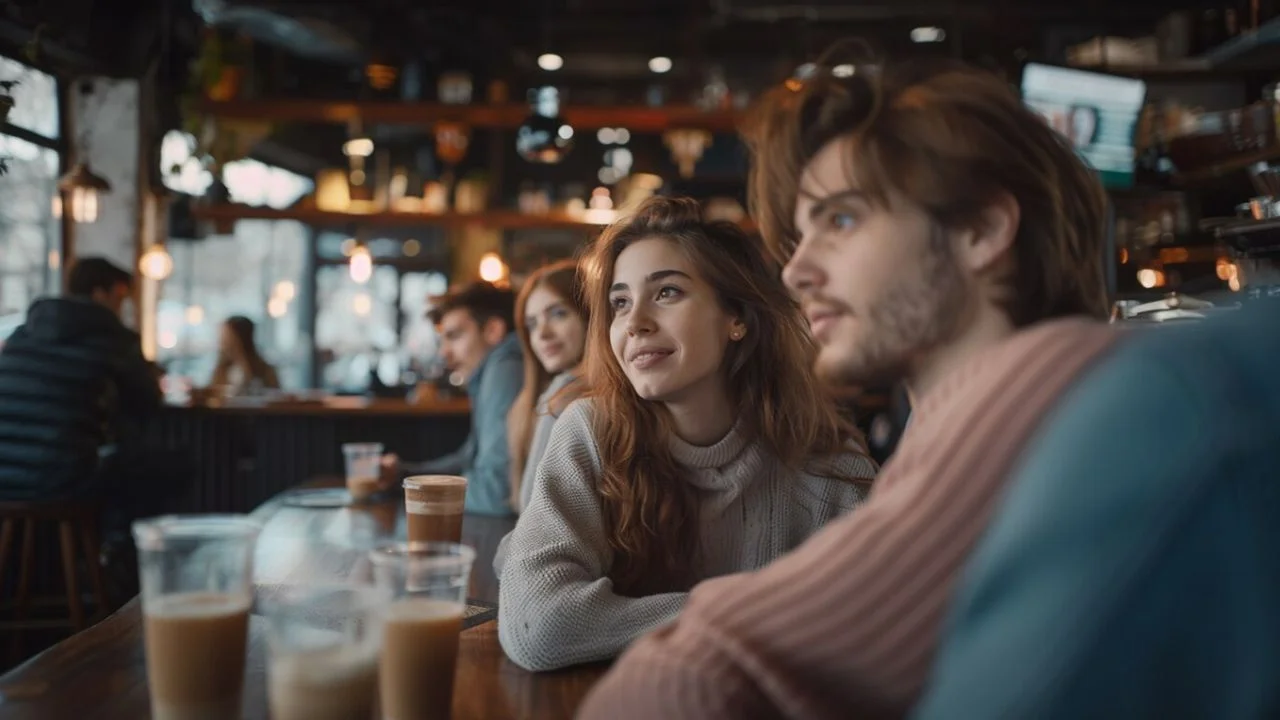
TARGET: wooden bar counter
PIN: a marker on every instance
(242, 454)
(101, 672)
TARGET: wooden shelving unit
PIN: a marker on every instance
(497, 219)
(507, 116)
(1229, 166)
(1252, 51)
(502, 219)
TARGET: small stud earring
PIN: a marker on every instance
(736, 334)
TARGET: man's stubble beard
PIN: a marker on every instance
(907, 324)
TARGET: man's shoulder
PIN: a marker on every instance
(506, 359)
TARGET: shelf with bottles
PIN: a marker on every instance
(1225, 168)
(1224, 40)
(501, 219)
(508, 115)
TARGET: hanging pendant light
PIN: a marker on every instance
(81, 186)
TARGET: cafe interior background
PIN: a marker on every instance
(326, 168)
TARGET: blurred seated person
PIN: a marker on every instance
(553, 335)
(1130, 571)
(477, 340)
(241, 369)
(75, 392)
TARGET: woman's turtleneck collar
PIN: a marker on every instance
(711, 457)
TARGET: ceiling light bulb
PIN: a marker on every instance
(928, 35)
(550, 62)
(659, 64)
(358, 147)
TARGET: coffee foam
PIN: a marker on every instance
(434, 481)
(196, 605)
(418, 609)
(417, 507)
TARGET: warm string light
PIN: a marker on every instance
(156, 263)
(361, 264)
(492, 269)
(1151, 278)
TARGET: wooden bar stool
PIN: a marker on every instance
(72, 518)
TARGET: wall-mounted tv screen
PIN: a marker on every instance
(1097, 113)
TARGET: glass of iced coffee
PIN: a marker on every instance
(323, 644)
(197, 587)
(428, 585)
(434, 505)
(364, 466)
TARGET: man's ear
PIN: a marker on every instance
(493, 331)
(990, 241)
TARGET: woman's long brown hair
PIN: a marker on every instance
(650, 513)
(562, 279)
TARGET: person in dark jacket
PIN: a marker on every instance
(75, 390)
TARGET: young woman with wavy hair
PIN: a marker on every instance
(705, 445)
(551, 323)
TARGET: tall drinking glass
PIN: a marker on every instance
(323, 644)
(197, 587)
(428, 586)
(433, 505)
(364, 466)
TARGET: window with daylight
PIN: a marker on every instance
(374, 329)
(256, 272)
(30, 234)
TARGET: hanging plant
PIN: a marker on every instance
(217, 74)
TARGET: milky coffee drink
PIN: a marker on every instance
(334, 683)
(419, 657)
(434, 505)
(195, 655)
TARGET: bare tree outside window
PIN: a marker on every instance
(30, 235)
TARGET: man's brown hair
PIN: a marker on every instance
(483, 300)
(949, 138)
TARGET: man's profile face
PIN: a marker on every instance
(879, 283)
(464, 343)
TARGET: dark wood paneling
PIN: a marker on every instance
(241, 459)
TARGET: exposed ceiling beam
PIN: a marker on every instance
(772, 11)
